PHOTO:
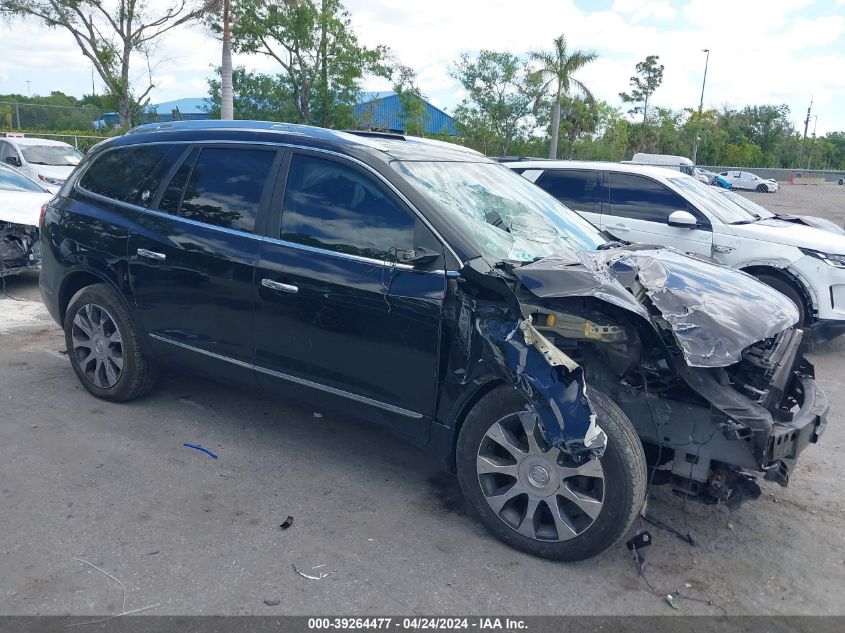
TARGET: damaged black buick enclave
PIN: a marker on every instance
(420, 285)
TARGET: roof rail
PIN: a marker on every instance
(217, 124)
(375, 134)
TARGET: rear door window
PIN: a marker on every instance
(639, 198)
(131, 174)
(573, 187)
(332, 206)
(222, 186)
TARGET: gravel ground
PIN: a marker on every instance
(824, 201)
(113, 485)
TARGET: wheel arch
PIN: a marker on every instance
(463, 410)
(76, 281)
(810, 302)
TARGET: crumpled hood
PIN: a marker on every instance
(714, 312)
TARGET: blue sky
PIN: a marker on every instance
(762, 51)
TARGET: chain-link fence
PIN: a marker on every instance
(82, 127)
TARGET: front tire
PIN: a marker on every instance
(762, 189)
(103, 346)
(531, 496)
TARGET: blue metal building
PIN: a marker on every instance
(383, 111)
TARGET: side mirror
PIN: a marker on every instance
(418, 257)
(682, 220)
(13, 160)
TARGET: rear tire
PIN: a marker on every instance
(789, 291)
(612, 489)
(103, 345)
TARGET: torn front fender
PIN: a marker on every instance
(494, 334)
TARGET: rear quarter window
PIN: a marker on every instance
(130, 174)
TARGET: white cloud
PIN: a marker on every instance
(778, 51)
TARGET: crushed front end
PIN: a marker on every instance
(706, 362)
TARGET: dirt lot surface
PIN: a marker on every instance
(113, 485)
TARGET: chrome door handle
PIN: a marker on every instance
(276, 285)
(143, 252)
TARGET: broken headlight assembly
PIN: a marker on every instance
(828, 258)
(578, 328)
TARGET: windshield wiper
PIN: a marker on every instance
(611, 244)
(742, 222)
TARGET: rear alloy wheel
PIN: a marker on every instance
(97, 345)
(103, 346)
(535, 497)
(762, 189)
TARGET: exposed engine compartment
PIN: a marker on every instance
(703, 429)
(19, 248)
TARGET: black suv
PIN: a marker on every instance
(423, 286)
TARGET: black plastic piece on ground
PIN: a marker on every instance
(640, 540)
(288, 522)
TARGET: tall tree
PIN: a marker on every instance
(321, 60)
(556, 68)
(109, 32)
(500, 92)
(648, 79)
(411, 98)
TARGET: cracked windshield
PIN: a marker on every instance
(507, 216)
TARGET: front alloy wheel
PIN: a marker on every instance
(532, 487)
(535, 497)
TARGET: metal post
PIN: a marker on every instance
(18, 115)
(75, 141)
(700, 107)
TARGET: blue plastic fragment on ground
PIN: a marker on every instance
(200, 448)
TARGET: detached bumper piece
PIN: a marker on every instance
(19, 248)
(788, 439)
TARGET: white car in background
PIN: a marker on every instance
(21, 200)
(652, 205)
(751, 182)
(46, 161)
(762, 213)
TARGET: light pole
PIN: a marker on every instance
(700, 106)
(28, 94)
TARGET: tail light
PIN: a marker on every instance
(41, 216)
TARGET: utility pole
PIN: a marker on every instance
(27, 88)
(804, 140)
(813, 146)
(227, 107)
(700, 107)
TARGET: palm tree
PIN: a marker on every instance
(226, 101)
(557, 68)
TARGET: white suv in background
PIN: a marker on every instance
(47, 162)
(658, 206)
(749, 181)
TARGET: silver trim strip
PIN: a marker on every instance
(350, 256)
(294, 379)
(352, 159)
